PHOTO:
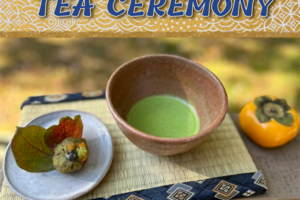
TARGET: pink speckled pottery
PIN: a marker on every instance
(166, 74)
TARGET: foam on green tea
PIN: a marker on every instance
(164, 116)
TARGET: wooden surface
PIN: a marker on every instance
(280, 166)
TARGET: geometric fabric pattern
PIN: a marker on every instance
(224, 188)
(63, 97)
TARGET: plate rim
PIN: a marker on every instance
(80, 193)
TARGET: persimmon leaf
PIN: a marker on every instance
(30, 150)
(262, 118)
(287, 120)
(67, 127)
(259, 101)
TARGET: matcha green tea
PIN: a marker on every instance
(164, 116)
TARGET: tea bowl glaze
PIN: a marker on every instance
(172, 75)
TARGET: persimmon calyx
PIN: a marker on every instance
(277, 109)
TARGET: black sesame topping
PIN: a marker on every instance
(72, 155)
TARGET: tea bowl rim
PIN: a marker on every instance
(166, 140)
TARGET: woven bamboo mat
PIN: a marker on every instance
(222, 153)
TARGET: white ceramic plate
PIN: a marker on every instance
(54, 185)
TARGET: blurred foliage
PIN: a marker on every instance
(247, 67)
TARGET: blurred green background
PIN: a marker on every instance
(247, 68)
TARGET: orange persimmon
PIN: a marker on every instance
(269, 121)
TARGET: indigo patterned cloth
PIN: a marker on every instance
(227, 187)
(224, 188)
(63, 97)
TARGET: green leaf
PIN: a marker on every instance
(283, 103)
(287, 120)
(30, 151)
(67, 127)
(262, 118)
(259, 101)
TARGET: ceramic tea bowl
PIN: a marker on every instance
(173, 75)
